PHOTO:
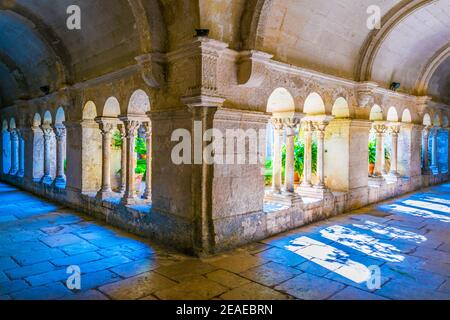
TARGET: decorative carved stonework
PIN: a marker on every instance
(152, 67)
(365, 94)
(251, 68)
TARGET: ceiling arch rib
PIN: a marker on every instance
(47, 35)
(430, 68)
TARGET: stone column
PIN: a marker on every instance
(14, 135)
(148, 175)
(394, 131)
(123, 159)
(106, 128)
(277, 160)
(380, 130)
(307, 162)
(21, 157)
(425, 144)
(48, 135)
(434, 150)
(131, 127)
(60, 134)
(320, 132)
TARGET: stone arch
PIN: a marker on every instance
(111, 108)
(314, 104)
(280, 100)
(89, 111)
(392, 114)
(341, 108)
(37, 120)
(406, 116)
(60, 116)
(376, 113)
(12, 123)
(426, 120)
(436, 120)
(445, 123)
(139, 103)
(4, 125)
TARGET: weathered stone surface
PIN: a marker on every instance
(253, 291)
(198, 288)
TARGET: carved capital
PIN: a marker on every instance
(131, 127)
(60, 132)
(394, 129)
(47, 130)
(380, 128)
(307, 126)
(277, 124)
(152, 67)
(365, 94)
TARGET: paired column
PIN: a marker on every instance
(131, 127)
(307, 161)
(21, 159)
(277, 159)
(320, 132)
(14, 135)
(60, 135)
(48, 136)
(291, 131)
(434, 149)
(106, 128)
(148, 175)
(394, 130)
(380, 130)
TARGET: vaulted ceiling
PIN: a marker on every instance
(330, 36)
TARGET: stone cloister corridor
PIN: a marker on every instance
(407, 238)
(224, 149)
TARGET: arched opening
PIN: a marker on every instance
(89, 111)
(139, 103)
(406, 116)
(376, 113)
(14, 144)
(6, 147)
(426, 143)
(379, 156)
(314, 104)
(392, 115)
(341, 109)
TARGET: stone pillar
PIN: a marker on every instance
(380, 130)
(131, 127)
(394, 132)
(21, 156)
(106, 128)
(148, 175)
(434, 150)
(60, 134)
(123, 159)
(277, 159)
(14, 135)
(307, 162)
(48, 135)
(425, 144)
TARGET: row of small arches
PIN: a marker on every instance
(281, 101)
(38, 119)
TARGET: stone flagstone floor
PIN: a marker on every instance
(407, 240)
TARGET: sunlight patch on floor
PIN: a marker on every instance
(362, 243)
(391, 232)
(419, 212)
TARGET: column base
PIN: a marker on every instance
(129, 201)
(147, 196)
(60, 182)
(21, 173)
(315, 192)
(13, 172)
(377, 181)
(285, 198)
(48, 180)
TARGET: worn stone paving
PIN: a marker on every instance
(406, 241)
